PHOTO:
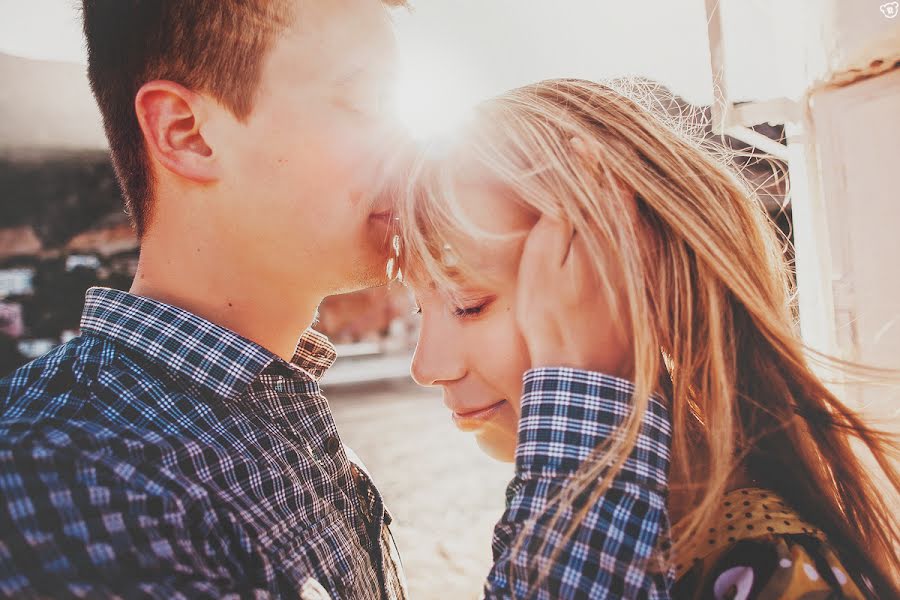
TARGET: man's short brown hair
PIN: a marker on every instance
(211, 46)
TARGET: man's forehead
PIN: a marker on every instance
(352, 25)
(331, 38)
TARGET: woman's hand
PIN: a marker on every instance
(561, 307)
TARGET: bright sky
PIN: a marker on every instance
(481, 47)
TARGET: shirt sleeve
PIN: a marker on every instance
(615, 551)
(78, 524)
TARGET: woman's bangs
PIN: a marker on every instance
(433, 223)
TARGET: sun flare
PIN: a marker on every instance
(432, 98)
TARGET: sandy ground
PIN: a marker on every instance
(445, 494)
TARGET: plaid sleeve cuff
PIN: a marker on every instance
(567, 413)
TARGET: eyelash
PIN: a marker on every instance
(470, 311)
(462, 313)
(352, 108)
(361, 105)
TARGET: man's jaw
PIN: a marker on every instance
(382, 216)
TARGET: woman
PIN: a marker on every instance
(571, 237)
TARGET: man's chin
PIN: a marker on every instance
(368, 272)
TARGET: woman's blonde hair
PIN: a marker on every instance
(707, 294)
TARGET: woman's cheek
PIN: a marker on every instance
(519, 362)
(504, 355)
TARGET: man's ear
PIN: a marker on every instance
(172, 118)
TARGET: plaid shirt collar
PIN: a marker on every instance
(213, 357)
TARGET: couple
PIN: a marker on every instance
(601, 302)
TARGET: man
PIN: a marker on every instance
(181, 446)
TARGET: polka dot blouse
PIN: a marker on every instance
(759, 548)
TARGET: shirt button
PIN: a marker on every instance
(332, 444)
(279, 386)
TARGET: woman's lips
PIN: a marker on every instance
(475, 419)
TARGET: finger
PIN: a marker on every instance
(547, 243)
(569, 247)
(583, 272)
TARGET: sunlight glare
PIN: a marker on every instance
(433, 99)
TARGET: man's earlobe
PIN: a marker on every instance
(171, 118)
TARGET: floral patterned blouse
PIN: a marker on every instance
(759, 548)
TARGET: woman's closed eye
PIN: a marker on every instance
(472, 310)
(468, 311)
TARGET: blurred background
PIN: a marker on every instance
(805, 95)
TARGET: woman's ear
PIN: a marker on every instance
(171, 118)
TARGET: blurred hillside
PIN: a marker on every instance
(49, 197)
(63, 230)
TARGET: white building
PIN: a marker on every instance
(838, 64)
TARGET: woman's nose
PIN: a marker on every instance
(436, 362)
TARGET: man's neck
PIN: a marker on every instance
(197, 277)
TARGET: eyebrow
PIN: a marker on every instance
(351, 75)
(363, 70)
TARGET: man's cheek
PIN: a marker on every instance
(359, 143)
(335, 160)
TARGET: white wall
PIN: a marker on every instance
(856, 131)
(847, 211)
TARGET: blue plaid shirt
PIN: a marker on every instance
(161, 456)
(617, 549)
